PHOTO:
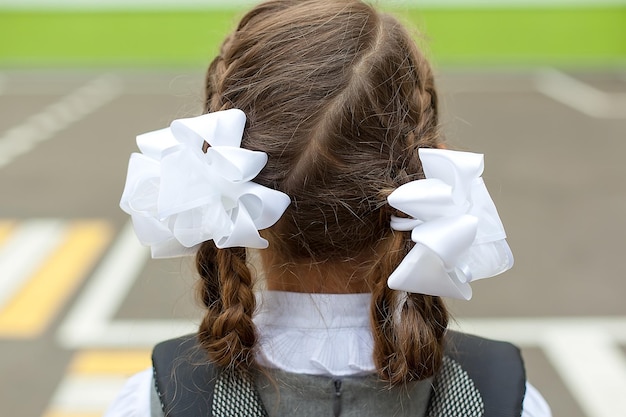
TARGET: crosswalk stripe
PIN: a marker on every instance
(28, 312)
(25, 247)
(103, 362)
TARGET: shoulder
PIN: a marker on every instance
(176, 347)
(486, 359)
(181, 354)
(184, 377)
(496, 370)
(534, 403)
(489, 375)
(134, 398)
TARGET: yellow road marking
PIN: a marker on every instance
(6, 228)
(34, 307)
(102, 362)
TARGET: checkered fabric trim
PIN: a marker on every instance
(454, 393)
(235, 396)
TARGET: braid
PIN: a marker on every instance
(216, 75)
(209, 291)
(427, 130)
(226, 331)
(408, 328)
(388, 363)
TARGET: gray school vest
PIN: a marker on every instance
(478, 378)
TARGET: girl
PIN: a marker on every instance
(327, 220)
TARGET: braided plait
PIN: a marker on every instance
(226, 331)
(408, 328)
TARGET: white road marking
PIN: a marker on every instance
(580, 96)
(179, 83)
(593, 368)
(86, 393)
(57, 116)
(24, 251)
(529, 332)
(127, 334)
(105, 291)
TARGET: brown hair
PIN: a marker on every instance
(340, 98)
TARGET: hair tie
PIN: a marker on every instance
(178, 196)
(458, 235)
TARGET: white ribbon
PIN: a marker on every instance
(178, 196)
(454, 223)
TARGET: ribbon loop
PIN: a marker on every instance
(179, 197)
(454, 223)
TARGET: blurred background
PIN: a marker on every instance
(538, 86)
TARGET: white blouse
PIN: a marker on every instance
(316, 334)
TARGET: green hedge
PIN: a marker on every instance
(593, 36)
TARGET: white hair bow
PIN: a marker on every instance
(179, 196)
(457, 232)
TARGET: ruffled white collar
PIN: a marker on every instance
(315, 334)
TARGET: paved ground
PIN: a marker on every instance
(81, 303)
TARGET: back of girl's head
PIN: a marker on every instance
(340, 98)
